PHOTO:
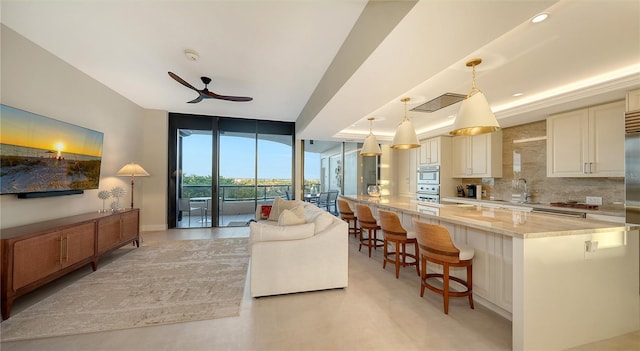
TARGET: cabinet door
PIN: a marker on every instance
(130, 225)
(78, 243)
(567, 144)
(423, 152)
(459, 150)
(108, 233)
(36, 258)
(606, 133)
(479, 149)
(429, 152)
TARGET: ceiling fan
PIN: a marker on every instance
(205, 93)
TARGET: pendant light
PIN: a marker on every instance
(371, 146)
(475, 116)
(405, 137)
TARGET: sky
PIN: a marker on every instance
(237, 158)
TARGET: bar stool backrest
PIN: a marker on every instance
(344, 208)
(390, 223)
(364, 215)
(435, 243)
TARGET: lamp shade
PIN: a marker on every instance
(132, 170)
(405, 137)
(371, 146)
(475, 117)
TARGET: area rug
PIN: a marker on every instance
(159, 283)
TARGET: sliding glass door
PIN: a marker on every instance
(221, 169)
(237, 181)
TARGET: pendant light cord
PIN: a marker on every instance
(405, 108)
(473, 65)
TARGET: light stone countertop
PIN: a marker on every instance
(514, 222)
(606, 210)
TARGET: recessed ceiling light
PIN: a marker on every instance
(540, 17)
(517, 94)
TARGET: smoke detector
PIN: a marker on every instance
(191, 55)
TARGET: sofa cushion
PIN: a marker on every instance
(323, 221)
(280, 205)
(266, 232)
(293, 216)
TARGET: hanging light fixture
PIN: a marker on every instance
(405, 137)
(475, 116)
(371, 146)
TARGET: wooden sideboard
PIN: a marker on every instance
(38, 253)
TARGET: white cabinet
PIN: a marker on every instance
(477, 156)
(434, 151)
(587, 142)
(429, 152)
(633, 100)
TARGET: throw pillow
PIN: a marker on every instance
(292, 217)
(280, 205)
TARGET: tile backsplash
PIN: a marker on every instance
(531, 145)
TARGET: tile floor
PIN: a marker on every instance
(376, 312)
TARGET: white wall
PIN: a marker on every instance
(36, 81)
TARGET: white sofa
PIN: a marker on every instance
(303, 257)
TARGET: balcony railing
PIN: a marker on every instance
(230, 193)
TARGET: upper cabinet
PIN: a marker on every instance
(432, 150)
(477, 156)
(587, 143)
(633, 100)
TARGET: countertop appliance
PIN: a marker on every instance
(471, 190)
(632, 167)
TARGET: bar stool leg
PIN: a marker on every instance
(470, 284)
(445, 281)
(398, 250)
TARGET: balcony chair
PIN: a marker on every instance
(332, 205)
(436, 246)
(184, 205)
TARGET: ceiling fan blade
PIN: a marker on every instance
(198, 99)
(181, 81)
(226, 97)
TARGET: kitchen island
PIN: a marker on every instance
(562, 281)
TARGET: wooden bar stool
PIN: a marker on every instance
(396, 234)
(348, 216)
(368, 222)
(436, 246)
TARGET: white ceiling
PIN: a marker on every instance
(279, 51)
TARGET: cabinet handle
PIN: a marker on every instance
(61, 239)
(66, 245)
(590, 167)
(584, 168)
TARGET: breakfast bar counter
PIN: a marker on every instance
(515, 221)
(562, 281)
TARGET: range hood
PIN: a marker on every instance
(440, 102)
